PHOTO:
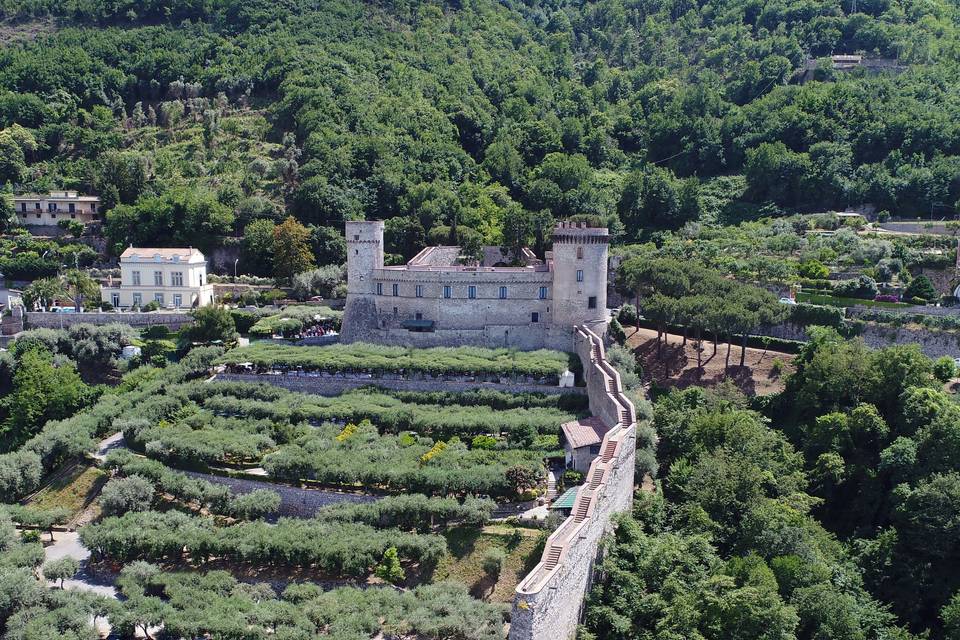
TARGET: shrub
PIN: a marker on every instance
(777, 368)
(271, 296)
(813, 269)
(153, 305)
(944, 369)
(572, 477)
(156, 332)
(121, 495)
(389, 569)
(863, 287)
(29, 536)
(627, 314)
(810, 314)
(483, 442)
(210, 324)
(816, 285)
(617, 334)
(493, 561)
(254, 505)
(886, 297)
(920, 288)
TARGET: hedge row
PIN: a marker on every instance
(391, 413)
(336, 548)
(402, 463)
(360, 357)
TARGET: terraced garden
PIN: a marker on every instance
(196, 504)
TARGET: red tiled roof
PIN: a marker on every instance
(584, 432)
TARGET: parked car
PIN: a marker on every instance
(787, 301)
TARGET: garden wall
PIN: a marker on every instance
(334, 386)
(548, 602)
(40, 319)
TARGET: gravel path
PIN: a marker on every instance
(115, 441)
(67, 544)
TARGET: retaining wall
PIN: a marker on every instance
(933, 344)
(38, 319)
(548, 602)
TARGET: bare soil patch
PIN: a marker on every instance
(676, 365)
(14, 31)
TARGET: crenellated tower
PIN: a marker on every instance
(580, 276)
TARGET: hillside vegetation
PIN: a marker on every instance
(471, 114)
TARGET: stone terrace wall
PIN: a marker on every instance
(548, 602)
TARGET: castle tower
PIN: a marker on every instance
(364, 255)
(580, 276)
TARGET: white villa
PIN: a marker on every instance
(174, 278)
(49, 209)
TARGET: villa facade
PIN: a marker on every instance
(173, 278)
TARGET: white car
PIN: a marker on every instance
(787, 301)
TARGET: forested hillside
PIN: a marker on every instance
(470, 113)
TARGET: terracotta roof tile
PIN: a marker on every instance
(584, 432)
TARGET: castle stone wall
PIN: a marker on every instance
(548, 602)
(933, 343)
(525, 308)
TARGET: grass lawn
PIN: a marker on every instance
(74, 489)
(836, 301)
(464, 560)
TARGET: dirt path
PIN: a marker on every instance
(676, 365)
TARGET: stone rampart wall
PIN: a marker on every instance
(548, 602)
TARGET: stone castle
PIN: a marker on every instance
(437, 299)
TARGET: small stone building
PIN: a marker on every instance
(439, 299)
(581, 441)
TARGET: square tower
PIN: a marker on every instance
(580, 275)
(364, 255)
